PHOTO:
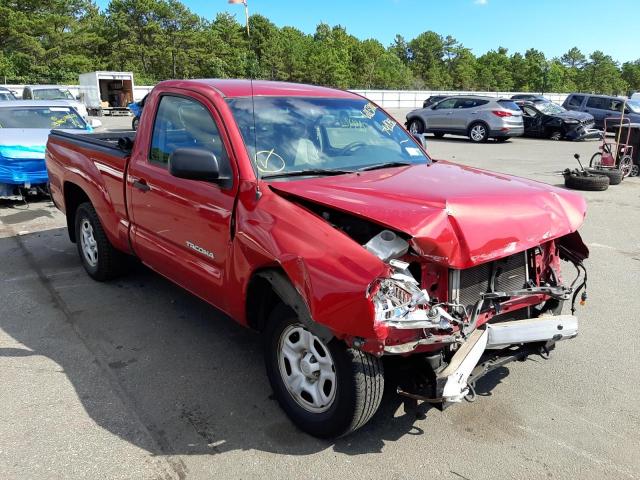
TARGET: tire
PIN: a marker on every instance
(556, 135)
(592, 183)
(626, 165)
(134, 123)
(615, 175)
(635, 170)
(99, 258)
(438, 134)
(349, 401)
(478, 132)
(416, 126)
(596, 160)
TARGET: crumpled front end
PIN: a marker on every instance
(466, 322)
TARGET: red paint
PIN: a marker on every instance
(456, 216)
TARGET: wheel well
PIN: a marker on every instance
(261, 297)
(73, 196)
(271, 286)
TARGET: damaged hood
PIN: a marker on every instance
(455, 215)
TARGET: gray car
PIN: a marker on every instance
(477, 117)
(53, 92)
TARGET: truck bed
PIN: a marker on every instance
(117, 143)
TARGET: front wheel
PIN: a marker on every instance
(134, 123)
(555, 135)
(326, 389)
(416, 126)
(478, 133)
(596, 160)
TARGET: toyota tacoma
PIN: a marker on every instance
(312, 216)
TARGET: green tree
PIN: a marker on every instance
(602, 75)
(631, 74)
(494, 71)
(463, 70)
(427, 60)
(400, 49)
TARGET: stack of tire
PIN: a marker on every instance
(591, 180)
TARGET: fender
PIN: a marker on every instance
(329, 271)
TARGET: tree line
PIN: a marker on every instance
(53, 41)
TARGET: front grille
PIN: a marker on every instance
(506, 274)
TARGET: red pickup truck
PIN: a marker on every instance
(313, 217)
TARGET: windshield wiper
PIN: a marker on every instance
(385, 165)
(310, 172)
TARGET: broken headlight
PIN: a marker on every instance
(399, 302)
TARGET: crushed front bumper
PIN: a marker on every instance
(581, 133)
(490, 347)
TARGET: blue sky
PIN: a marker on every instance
(553, 26)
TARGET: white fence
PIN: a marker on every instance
(384, 98)
(415, 98)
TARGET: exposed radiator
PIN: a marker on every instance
(510, 273)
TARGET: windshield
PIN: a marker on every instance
(41, 117)
(549, 108)
(634, 106)
(52, 94)
(4, 96)
(295, 134)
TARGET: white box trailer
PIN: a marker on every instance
(107, 93)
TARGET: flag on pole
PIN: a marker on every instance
(243, 2)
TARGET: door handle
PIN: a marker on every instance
(141, 185)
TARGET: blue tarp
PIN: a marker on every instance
(20, 164)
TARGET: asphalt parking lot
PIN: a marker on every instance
(137, 379)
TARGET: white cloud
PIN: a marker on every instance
(481, 2)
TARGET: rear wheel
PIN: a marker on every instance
(626, 165)
(99, 258)
(416, 126)
(478, 132)
(635, 170)
(326, 389)
(596, 160)
(134, 123)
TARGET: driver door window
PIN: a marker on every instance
(185, 123)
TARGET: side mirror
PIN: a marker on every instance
(420, 139)
(95, 123)
(194, 164)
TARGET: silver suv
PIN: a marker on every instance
(479, 118)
